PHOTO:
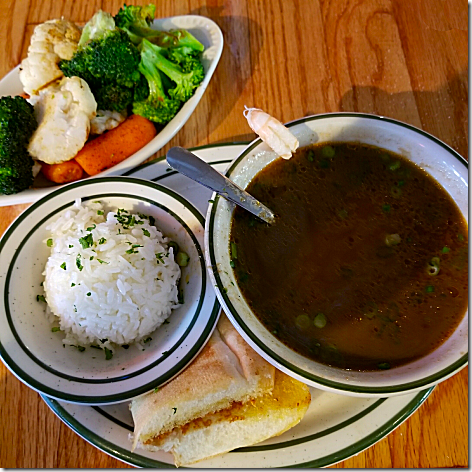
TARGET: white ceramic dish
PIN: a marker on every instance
(37, 356)
(207, 32)
(334, 428)
(436, 158)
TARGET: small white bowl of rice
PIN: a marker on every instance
(106, 295)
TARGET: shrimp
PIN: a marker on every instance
(63, 111)
(272, 132)
(51, 41)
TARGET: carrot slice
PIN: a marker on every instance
(114, 146)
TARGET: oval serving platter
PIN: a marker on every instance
(334, 428)
(207, 32)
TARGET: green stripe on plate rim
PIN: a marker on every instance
(196, 148)
(128, 375)
(148, 387)
(461, 362)
(142, 461)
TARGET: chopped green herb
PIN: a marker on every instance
(49, 242)
(100, 212)
(175, 410)
(310, 155)
(386, 208)
(394, 165)
(180, 296)
(146, 233)
(152, 221)
(90, 228)
(78, 262)
(225, 290)
(445, 250)
(156, 389)
(54, 329)
(430, 289)
(75, 309)
(71, 245)
(88, 294)
(86, 241)
(232, 264)
(460, 237)
(91, 258)
(72, 284)
(160, 257)
(63, 266)
(166, 322)
(81, 348)
(383, 365)
(102, 241)
(102, 262)
(108, 354)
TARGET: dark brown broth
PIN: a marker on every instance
(327, 253)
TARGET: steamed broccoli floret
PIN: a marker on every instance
(136, 21)
(17, 124)
(189, 60)
(111, 96)
(108, 61)
(157, 107)
(141, 91)
(113, 57)
(135, 16)
(183, 82)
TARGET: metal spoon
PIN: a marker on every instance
(193, 167)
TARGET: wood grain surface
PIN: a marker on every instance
(406, 59)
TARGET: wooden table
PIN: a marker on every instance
(405, 59)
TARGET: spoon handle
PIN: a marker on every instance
(196, 169)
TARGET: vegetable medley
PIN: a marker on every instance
(117, 77)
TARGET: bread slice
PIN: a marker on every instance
(241, 424)
(220, 375)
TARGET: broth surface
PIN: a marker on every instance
(366, 267)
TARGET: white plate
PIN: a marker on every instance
(334, 428)
(207, 32)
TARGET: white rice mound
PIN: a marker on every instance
(111, 292)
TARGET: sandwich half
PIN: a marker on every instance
(228, 397)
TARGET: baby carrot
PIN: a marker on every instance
(115, 145)
(62, 173)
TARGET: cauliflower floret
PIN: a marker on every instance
(63, 112)
(51, 41)
(106, 120)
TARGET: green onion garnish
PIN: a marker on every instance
(63, 266)
(40, 298)
(49, 242)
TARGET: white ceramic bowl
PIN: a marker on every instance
(435, 157)
(37, 356)
(207, 32)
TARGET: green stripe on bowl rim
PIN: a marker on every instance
(455, 366)
(36, 385)
(142, 461)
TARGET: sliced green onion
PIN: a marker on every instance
(63, 266)
(55, 328)
(393, 239)
(234, 251)
(302, 322)
(108, 354)
(445, 250)
(49, 242)
(394, 165)
(328, 151)
(174, 246)
(430, 289)
(146, 233)
(40, 298)
(310, 155)
(182, 259)
(320, 320)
